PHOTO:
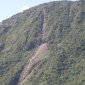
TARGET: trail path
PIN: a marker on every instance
(39, 55)
(44, 29)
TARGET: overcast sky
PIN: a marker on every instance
(11, 7)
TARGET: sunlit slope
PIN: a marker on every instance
(63, 25)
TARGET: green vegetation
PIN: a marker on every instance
(20, 36)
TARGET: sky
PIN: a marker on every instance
(11, 7)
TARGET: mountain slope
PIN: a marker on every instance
(60, 27)
(36, 59)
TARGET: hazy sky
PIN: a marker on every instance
(11, 7)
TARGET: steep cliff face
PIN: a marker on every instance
(44, 45)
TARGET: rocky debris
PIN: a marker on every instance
(38, 56)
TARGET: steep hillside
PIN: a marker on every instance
(34, 61)
(44, 45)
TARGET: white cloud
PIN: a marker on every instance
(23, 8)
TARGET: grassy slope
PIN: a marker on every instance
(65, 66)
(19, 38)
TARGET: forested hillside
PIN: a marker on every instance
(46, 43)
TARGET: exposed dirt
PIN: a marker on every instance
(44, 29)
(38, 56)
